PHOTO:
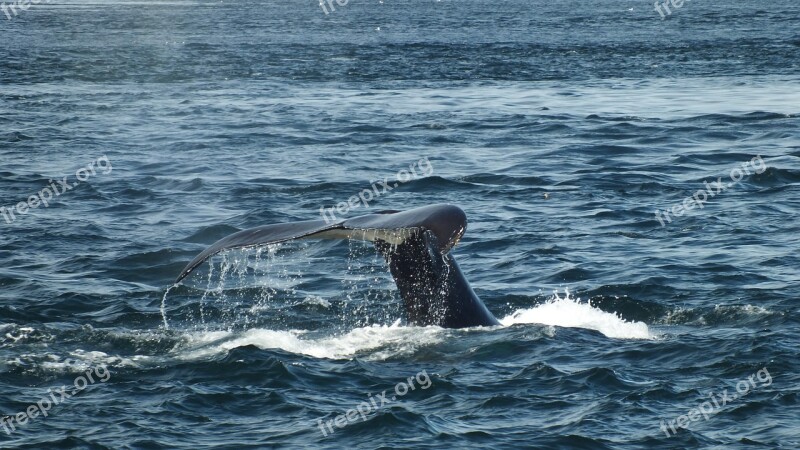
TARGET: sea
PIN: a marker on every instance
(630, 172)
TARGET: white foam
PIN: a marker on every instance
(316, 300)
(24, 332)
(752, 310)
(384, 341)
(78, 361)
(571, 313)
(376, 342)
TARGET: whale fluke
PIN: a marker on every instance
(416, 245)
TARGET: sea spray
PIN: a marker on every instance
(164, 306)
(570, 312)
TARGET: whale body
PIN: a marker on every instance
(416, 245)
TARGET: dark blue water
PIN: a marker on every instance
(560, 127)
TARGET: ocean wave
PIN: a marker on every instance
(572, 313)
(377, 341)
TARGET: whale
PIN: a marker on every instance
(416, 245)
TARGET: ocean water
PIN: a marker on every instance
(559, 127)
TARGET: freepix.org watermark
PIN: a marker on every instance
(330, 3)
(44, 196)
(717, 402)
(717, 187)
(375, 403)
(23, 5)
(368, 195)
(43, 406)
(677, 4)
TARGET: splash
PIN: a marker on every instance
(262, 287)
(572, 313)
(380, 341)
(164, 306)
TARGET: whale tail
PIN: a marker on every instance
(415, 245)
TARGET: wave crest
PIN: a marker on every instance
(572, 313)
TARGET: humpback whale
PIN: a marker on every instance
(416, 246)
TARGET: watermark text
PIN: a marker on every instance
(713, 189)
(716, 403)
(377, 189)
(374, 403)
(44, 196)
(43, 406)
